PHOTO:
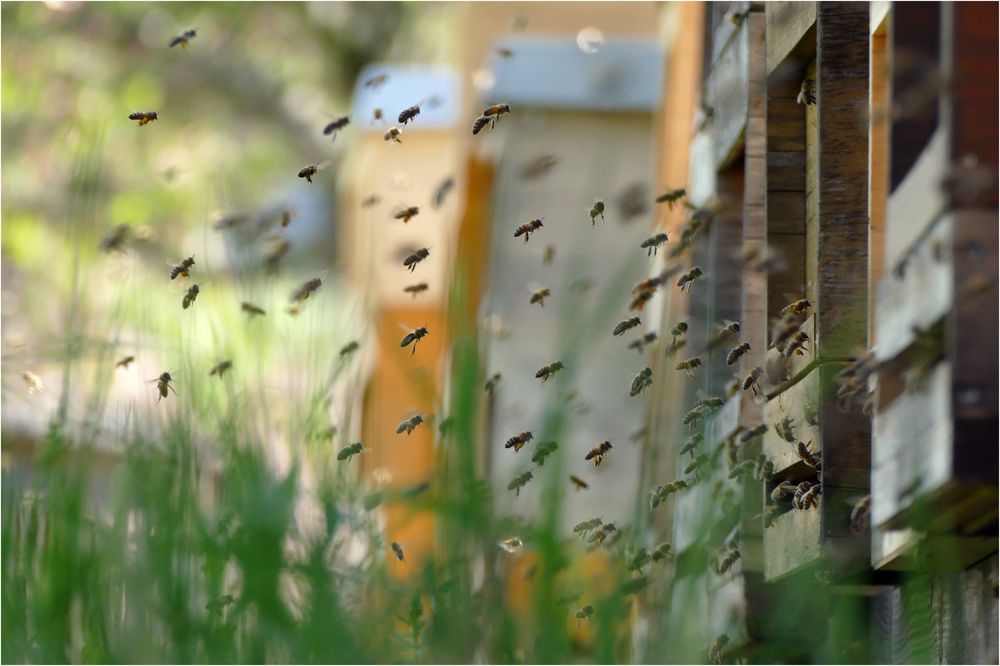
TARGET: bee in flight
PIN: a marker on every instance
(190, 296)
(798, 309)
(807, 93)
(640, 300)
(625, 325)
(597, 209)
(737, 352)
(409, 425)
(677, 331)
(415, 258)
(753, 433)
(549, 370)
(751, 381)
(584, 613)
(397, 550)
(306, 290)
(286, 218)
(489, 117)
(639, 343)
(33, 381)
(347, 350)
(124, 362)
(182, 268)
(393, 134)
(310, 170)
(688, 278)
(115, 239)
(415, 289)
(406, 214)
(442, 191)
(252, 310)
(163, 385)
(491, 383)
(376, 81)
(528, 228)
(183, 38)
(220, 368)
(688, 365)
(538, 166)
(518, 441)
(653, 243)
(143, 117)
(370, 200)
(540, 295)
(409, 113)
(335, 126)
(598, 452)
(413, 337)
(641, 381)
(543, 451)
(520, 481)
(579, 484)
(377, 115)
(670, 197)
(350, 451)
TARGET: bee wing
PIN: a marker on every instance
(406, 327)
(322, 165)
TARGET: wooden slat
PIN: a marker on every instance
(788, 25)
(726, 91)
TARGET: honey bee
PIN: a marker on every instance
(663, 552)
(406, 214)
(492, 382)
(252, 310)
(580, 484)
(861, 515)
(377, 115)
(639, 301)
(601, 533)
(33, 381)
(728, 330)
(376, 81)
(641, 381)
(143, 117)
(350, 451)
(393, 134)
(115, 239)
(538, 166)
(549, 255)
(273, 259)
(670, 197)
(653, 243)
(638, 560)
(597, 209)
(798, 308)
(495, 111)
(688, 278)
(784, 429)
(811, 459)
(519, 482)
(415, 258)
(724, 563)
(806, 496)
(677, 331)
(783, 490)
(413, 337)
(190, 296)
(540, 295)
(795, 345)
(587, 525)
(163, 385)
(415, 289)
(397, 550)
(182, 268)
(688, 365)
(183, 39)
(584, 613)
(409, 113)
(518, 441)
(691, 443)
(310, 170)
(409, 425)
(639, 343)
(528, 228)
(696, 464)
(694, 415)
(737, 352)
(740, 469)
(124, 362)
(753, 433)
(625, 325)
(337, 125)
(220, 368)
(548, 370)
(347, 350)
(306, 290)
(751, 381)
(543, 451)
(479, 123)
(442, 191)
(598, 452)
(807, 93)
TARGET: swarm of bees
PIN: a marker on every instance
(144, 117)
(598, 452)
(183, 39)
(528, 228)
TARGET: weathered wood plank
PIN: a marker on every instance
(788, 25)
(726, 94)
(786, 212)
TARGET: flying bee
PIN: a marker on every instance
(519, 482)
(737, 352)
(377, 115)
(798, 308)
(598, 452)
(409, 113)
(586, 526)
(688, 365)
(543, 451)
(397, 550)
(538, 166)
(625, 325)
(584, 613)
(220, 368)
(183, 39)
(811, 459)
(528, 228)
(639, 343)
(272, 261)
(182, 268)
(688, 278)
(670, 197)
(310, 170)
(810, 497)
(646, 285)
(663, 552)
(641, 381)
(479, 123)
(694, 415)
(163, 385)
(800, 490)
(518, 441)
(350, 451)
(724, 563)
(393, 134)
(415, 289)
(495, 111)
(807, 93)
(579, 484)
(631, 202)
(33, 381)
(115, 239)
(751, 381)
(783, 490)
(861, 515)
(370, 200)
(415, 258)
(784, 429)
(640, 559)
(753, 433)
(124, 362)
(726, 331)
(691, 443)
(639, 301)
(337, 125)
(376, 81)
(795, 345)
(252, 310)
(347, 350)
(306, 290)
(548, 370)
(406, 214)
(413, 337)
(677, 331)
(539, 296)
(442, 191)
(549, 254)
(597, 209)
(696, 464)
(190, 296)
(409, 425)
(143, 117)
(653, 243)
